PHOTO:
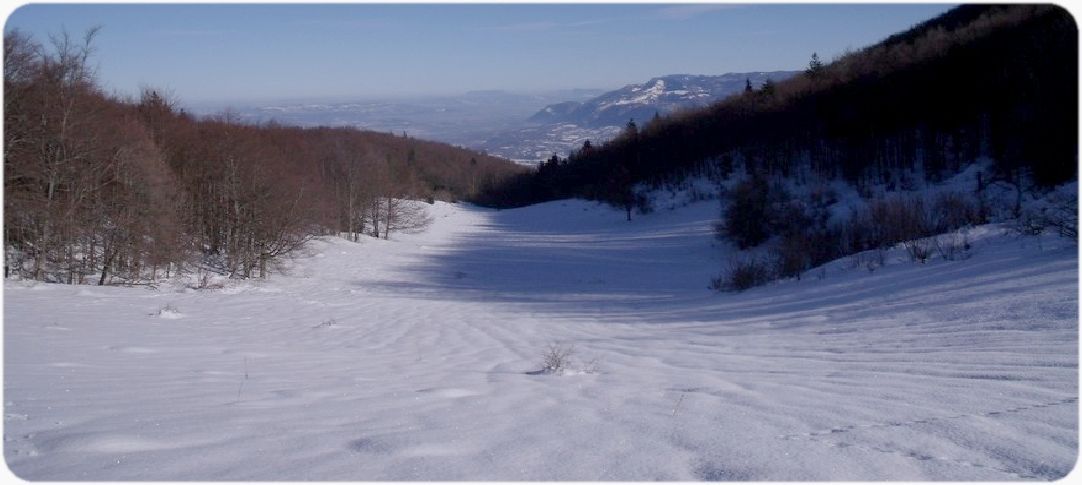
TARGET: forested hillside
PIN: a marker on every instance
(101, 189)
(994, 81)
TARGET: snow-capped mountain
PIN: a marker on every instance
(661, 95)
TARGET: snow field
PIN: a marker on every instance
(415, 359)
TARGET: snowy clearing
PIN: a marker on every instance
(419, 359)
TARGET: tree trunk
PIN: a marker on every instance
(71, 264)
(105, 266)
(375, 219)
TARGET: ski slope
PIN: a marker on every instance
(416, 359)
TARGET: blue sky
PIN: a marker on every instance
(205, 53)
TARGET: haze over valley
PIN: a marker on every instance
(526, 128)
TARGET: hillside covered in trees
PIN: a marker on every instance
(102, 189)
(980, 81)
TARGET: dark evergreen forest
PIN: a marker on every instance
(995, 81)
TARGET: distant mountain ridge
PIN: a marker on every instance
(509, 124)
(661, 95)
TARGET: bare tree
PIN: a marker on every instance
(118, 191)
(403, 215)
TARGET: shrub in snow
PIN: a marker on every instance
(894, 220)
(791, 255)
(869, 260)
(1062, 213)
(168, 312)
(745, 221)
(919, 250)
(1058, 212)
(907, 220)
(952, 210)
(1028, 225)
(743, 274)
(204, 281)
(556, 358)
(953, 246)
(801, 235)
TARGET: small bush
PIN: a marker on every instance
(919, 250)
(791, 255)
(205, 283)
(907, 220)
(556, 358)
(743, 274)
(869, 260)
(897, 219)
(952, 210)
(1062, 214)
(953, 247)
(1057, 212)
(1029, 224)
(746, 220)
(168, 312)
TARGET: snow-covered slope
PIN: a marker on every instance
(417, 359)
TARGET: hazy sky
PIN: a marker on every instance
(247, 52)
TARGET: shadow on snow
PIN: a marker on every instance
(657, 269)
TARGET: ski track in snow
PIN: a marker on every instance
(414, 359)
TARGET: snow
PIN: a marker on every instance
(648, 95)
(950, 370)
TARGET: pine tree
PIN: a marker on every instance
(815, 66)
(768, 88)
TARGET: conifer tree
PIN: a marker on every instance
(815, 66)
(768, 88)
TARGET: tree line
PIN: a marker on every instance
(995, 81)
(109, 190)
